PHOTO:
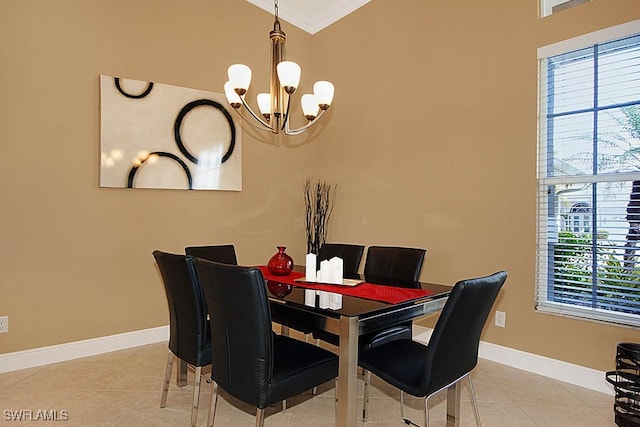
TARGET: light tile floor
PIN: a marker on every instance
(123, 389)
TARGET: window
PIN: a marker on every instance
(578, 219)
(589, 177)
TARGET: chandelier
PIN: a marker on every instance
(275, 105)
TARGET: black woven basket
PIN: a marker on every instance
(626, 382)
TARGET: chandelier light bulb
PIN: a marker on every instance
(240, 78)
(289, 75)
(232, 97)
(264, 104)
(309, 106)
(323, 91)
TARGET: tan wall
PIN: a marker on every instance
(433, 144)
(76, 258)
(436, 151)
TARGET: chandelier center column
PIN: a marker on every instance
(278, 39)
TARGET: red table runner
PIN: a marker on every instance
(388, 294)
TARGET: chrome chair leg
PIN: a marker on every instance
(167, 379)
(335, 401)
(314, 390)
(407, 421)
(181, 372)
(426, 411)
(212, 407)
(196, 397)
(474, 402)
(260, 417)
(284, 331)
(365, 402)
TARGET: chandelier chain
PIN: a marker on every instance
(275, 6)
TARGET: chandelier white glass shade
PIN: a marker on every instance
(285, 78)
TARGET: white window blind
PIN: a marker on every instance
(589, 179)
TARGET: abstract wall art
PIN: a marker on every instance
(156, 135)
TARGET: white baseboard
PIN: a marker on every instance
(540, 365)
(77, 349)
(556, 369)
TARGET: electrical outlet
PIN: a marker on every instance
(501, 319)
(4, 324)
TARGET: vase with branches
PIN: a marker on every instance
(319, 199)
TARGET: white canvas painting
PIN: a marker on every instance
(156, 135)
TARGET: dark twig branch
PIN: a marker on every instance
(319, 199)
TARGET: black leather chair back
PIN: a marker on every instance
(225, 254)
(189, 330)
(394, 262)
(238, 301)
(453, 347)
(350, 254)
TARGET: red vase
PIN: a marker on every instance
(281, 263)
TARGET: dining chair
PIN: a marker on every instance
(403, 265)
(226, 254)
(394, 262)
(396, 266)
(350, 254)
(218, 253)
(452, 351)
(250, 362)
(189, 330)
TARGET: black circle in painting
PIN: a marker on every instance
(178, 126)
(134, 168)
(130, 95)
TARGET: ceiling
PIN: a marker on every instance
(311, 15)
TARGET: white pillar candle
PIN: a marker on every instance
(324, 274)
(310, 268)
(335, 268)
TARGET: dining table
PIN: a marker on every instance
(358, 306)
